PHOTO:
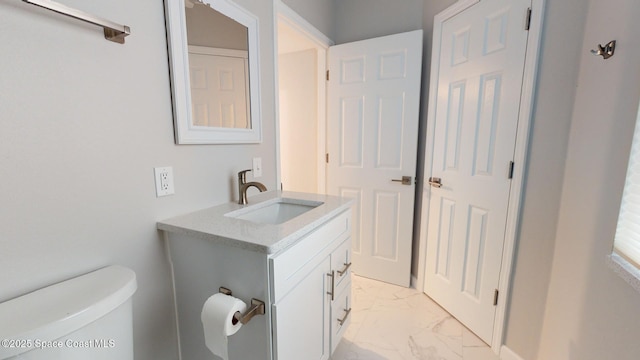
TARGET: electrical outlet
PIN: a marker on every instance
(257, 167)
(164, 181)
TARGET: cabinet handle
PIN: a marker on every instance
(333, 285)
(346, 267)
(346, 315)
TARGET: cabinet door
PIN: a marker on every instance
(301, 318)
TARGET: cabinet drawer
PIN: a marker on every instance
(292, 265)
(340, 315)
(341, 262)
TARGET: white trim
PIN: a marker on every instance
(322, 42)
(322, 120)
(520, 159)
(626, 270)
(508, 354)
(520, 155)
(276, 92)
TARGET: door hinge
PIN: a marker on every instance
(511, 165)
(495, 298)
(327, 75)
(326, 157)
(527, 24)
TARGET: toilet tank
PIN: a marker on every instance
(87, 317)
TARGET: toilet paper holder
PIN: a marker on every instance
(257, 308)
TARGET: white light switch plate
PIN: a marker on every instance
(164, 181)
(257, 167)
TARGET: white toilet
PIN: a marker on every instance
(87, 317)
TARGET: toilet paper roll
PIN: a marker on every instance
(217, 321)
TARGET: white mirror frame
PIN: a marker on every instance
(185, 132)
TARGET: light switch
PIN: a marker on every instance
(257, 167)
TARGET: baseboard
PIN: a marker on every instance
(508, 354)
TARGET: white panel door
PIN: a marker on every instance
(219, 83)
(372, 137)
(479, 81)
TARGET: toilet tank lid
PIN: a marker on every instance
(57, 310)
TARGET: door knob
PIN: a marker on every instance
(406, 180)
(435, 182)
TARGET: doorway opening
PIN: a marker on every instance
(302, 55)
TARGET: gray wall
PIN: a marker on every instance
(319, 13)
(363, 19)
(83, 122)
(591, 313)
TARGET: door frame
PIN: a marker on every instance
(520, 154)
(285, 14)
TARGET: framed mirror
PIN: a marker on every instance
(214, 62)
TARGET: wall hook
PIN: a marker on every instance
(605, 51)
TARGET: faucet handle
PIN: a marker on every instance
(242, 175)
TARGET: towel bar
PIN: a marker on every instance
(112, 31)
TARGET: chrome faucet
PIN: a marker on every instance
(243, 185)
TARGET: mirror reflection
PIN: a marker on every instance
(218, 54)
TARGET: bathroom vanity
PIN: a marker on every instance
(290, 250)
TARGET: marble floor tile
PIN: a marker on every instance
(479, 353)
(470, 339)
(394, 323)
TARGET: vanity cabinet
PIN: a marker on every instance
(299, 268)
(312, 292)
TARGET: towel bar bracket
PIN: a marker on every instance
(112, 31)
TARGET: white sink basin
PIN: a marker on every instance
(274, 212)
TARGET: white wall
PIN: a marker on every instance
(591, 313)
(83, 121)
(298, 120)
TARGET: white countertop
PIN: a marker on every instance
(211, 224)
